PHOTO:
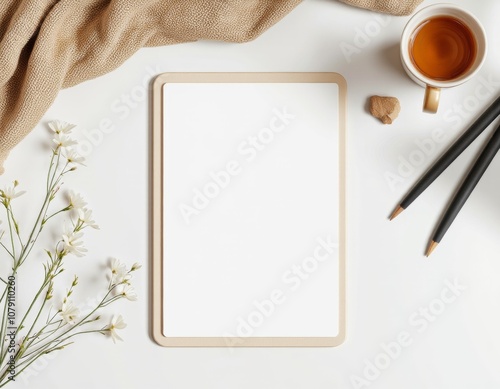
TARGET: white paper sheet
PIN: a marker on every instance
(251, 210)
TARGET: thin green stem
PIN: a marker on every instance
(4, 292)
(50, 168)
(82, 321)
(36, 318)
(111, 300)
(52, 270)
(47, 334)
(32, 238)
(44, 219)
(17, 264)
(28, 363)
(6, 249)
(58, 153)
(10, 233)
(43, 211)
(9, 210)
(46, 350)
(40, 290)
(56, 213)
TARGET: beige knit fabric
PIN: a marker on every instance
(46, 45)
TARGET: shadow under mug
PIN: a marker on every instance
(432, 86)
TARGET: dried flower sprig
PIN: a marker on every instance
(48, 326)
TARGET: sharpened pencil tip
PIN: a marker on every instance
(396, 212)
(431, 248)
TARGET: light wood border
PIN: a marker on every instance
(157, 208)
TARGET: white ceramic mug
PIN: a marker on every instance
(433, 87)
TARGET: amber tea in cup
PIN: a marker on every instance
(443, 48)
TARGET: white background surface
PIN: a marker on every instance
(389, 280)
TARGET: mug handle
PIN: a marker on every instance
(431, 99)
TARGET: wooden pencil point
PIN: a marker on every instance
(396, 212)
(431, 248)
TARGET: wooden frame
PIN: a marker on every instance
(157, 207)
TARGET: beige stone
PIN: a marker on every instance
(385, 108)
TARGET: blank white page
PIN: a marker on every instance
(251, 210)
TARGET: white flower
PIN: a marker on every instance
(61, 127)
(117, 323)
(128, 292)
(72, 244)
(76, 201)
(73, 157)
(69, 312)
(63, 140)
(85, 215)
(9, 192)
(118, 271)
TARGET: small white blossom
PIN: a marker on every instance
(128, 292)
(63, 140)
(117, 323)
(85, 215)
(61, 127)
(118, 271)
(72, 244)
(69, 312)
(9, 192)
(73, 157)
(76, 201)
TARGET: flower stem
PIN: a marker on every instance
(6, 249)
(10, 232)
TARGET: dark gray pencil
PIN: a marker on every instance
(491, 113)
(467, 187)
